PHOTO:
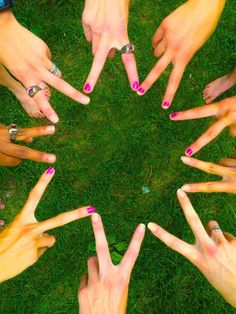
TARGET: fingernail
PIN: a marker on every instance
(50, 170)
(2, 222)
(51, 128)
(51, 158)
(189, 151)
(140, 91)
(173, 115)
(91, 210)
(184, 159)
(152, 227)
(135, 85)
(186, 188)
(87, 87)
(95, 217)
(141, 228)
(181, 193)
(166, 104)
(53, 118)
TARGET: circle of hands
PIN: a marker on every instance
(105, 288)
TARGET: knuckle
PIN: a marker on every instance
(21, 152)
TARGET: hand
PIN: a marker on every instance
(12, 154)
(226, 169)
(105, 289)
(105, 24)
(224, 111)
(28, 59)
(214, 252)
(25, 240)
(178, 38)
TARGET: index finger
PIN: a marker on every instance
(155, 73)
(26, 133)
(64, 219)
(132, 252)
(44, 105)
(103, 253)
(64, 87)
(131, 69)
(195, 113)
(98, 64)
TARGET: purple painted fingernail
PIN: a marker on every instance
(189, 151)
(173, 115)
(91, 210)
(50, 170)
(2, 222)
(135, 85)
(166, 104)
(141, 91)
(87, 87)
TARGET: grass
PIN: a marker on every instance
(106, 153)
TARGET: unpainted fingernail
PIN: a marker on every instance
(141, 228)
(50, 170)
(2, 222)
(51, 128)
(135, 85)
(153, 227)
(186, 188)
(184, 159)
(181, 193)
(173, 115)
(51, 158)
(91, 210)
(95, 217)
(188, 151)
(87, 87)
(166, 104)
(140, 91)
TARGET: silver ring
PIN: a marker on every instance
(33, 90)
(127, 49)
(54, 70)
(216, 229)
(13, 132)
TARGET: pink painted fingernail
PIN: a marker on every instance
(50, 170)
(140, 91)
(166, 104)
(135, 85)
(2, 222)
(173, 115)
(91, 210)
(87, 87)
(189, 151)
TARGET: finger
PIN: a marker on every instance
(37, 192)
(192, 217)
(111, 53)
(23, 152)
(93, 269)
(172, 241)
(160, 48)
(64, 219)
(35, 132)
(98, 64)
(8, 161)
(131, 69)
(207, 187)
(28, 140)
(65, 88)
(46, 241)
(228, 162)
(133, 250)
(155, 73)
(233, 131)
(87, 32)
(44, 105)
(157, 36)
(208, 136)
(208, 167)
(173, 84)
(214, 231)
(102, 248)
(229, 236)
(41, 251)
(95, 43)
(196, 113)
(83, 282)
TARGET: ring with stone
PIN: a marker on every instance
(127, 49)
(13, 132)
(33, 90)
(55, 70)
(216, 229)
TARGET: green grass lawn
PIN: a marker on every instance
(106, 152)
